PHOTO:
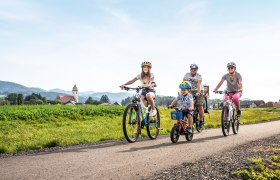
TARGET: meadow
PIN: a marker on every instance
(36, 127)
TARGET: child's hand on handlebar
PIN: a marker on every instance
(170, 106)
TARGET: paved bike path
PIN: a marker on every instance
(129, 161)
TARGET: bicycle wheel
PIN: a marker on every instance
(131, 123)
(224, 122)
(153, 126)
(189, 136)
(235, 123)
(175, 133)
(195, 121)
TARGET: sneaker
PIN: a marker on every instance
(200, 124)
(238, 112)
(153, 112)
(189, 130)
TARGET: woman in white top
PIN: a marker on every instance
(147, 81)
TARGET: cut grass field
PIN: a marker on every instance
(35, 127)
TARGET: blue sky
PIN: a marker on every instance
(100, 44)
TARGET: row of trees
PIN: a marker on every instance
(103, 99)
(36, 99)
(19, 99)
(160, 100)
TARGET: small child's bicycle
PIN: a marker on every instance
(180, 126)
(134, 118)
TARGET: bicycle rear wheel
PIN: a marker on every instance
(235, 123)
(153, 126)
(131, 123)
(224, 122)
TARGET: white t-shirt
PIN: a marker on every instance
(145, 82)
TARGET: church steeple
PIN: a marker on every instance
(75, 93)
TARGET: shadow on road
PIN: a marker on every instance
(200, 140)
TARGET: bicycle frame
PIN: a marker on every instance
(140, 105)
(183, 123)
(231, 106)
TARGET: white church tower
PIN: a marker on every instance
(75, 93)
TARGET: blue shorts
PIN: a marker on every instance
(147, 90)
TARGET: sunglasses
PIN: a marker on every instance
(230, 67)
(183, 89)
(193, 69)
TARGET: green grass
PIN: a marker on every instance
(36, 127)
(261, 169)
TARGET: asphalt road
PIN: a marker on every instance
(119, 160)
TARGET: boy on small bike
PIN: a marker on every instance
(234, 85)
(147, 81)
(185, 99)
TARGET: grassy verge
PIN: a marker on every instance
(261, 168)
(36, 127)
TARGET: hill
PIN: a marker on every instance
(11, 87)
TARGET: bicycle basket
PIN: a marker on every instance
(176, 115)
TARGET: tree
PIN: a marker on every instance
(36, 99)
(126, 101)
(90, 100)
(104, 99)
(20, 99)
(12, 98)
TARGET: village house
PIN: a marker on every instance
(272, 104)
(69, 100)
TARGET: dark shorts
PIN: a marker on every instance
(147, 90)
(199, 99)
(185, 114)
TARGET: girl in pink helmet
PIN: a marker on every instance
(147, 81)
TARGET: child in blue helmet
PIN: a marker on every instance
(185, 100)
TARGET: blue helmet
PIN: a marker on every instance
(185, 85)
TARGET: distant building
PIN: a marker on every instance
(117, 104)
(259, 103)
(272, 104)
(69, 99)
(247, 104)
(2, 97)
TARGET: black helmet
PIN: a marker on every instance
(194, 66)
(231, 64)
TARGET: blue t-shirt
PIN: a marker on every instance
(184, 101)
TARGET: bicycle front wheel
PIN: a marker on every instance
(153, 126)
(224, 122)
(131, 123)
(235, 123)
(175, 133)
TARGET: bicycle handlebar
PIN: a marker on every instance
(182, 110)
(131, 88)
(223, 92)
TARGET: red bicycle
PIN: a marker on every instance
(180, 126)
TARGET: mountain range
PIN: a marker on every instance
(11, 87)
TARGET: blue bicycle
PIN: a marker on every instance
(136, 117)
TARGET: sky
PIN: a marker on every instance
(100, 44)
